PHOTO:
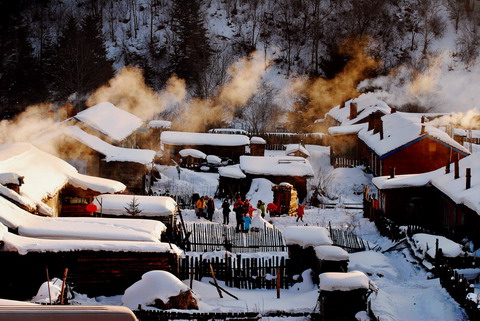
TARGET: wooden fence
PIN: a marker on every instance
(144, 315)
(238, 271)
(348, 241)
(216, 237)
(337, 162)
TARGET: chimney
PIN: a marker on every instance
(377, 124)
(353, 110)
(468, 177)
(457, 170)
(370, 122)
(422, 131)
(447, 168)
(392, 172)
(343, 104)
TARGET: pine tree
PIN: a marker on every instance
(133, 207)
(191, 48)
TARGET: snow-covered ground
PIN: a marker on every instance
(405, 290)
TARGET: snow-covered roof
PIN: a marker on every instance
(331, 253)
(347, 129)
(46, 174)
(188, 138)
(149, 205)
(257, 140)
(276, 166)
(114, 122)
(306, 236)
(159, 124)
(399, 129)
(75, 228)
(292, 148)
(24, 245)
(195, 153)
(366, 105)
(336, 281)
(232, 171)
(112, 153)
(10, 178)
(446, 183)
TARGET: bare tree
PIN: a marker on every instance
(262, 112)
(468, 44)
(432, 24)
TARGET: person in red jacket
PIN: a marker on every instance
(271, 208)
(300, 212)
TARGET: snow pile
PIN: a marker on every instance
(306, 284)
(195, 153)
(13, 302)
(22, 200)
(149, 205)
(372, 263)
(346, 129)
(292, 148)
(336, 281)
(331, 253)
(306, 236)
(276, 166)
(153, 285)
(49, 292)
(100, 117)
(366, 105)
(425, 244)
(213, 159)
(10, 178)
(187, 138)
(260, 189)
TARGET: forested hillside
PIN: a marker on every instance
(63, 50)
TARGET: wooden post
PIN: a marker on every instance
(191, 265)
(48, 285)
(64, 279)
(278, 283)
(215, 281)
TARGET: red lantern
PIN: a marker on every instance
(92, 208)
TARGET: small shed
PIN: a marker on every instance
(191, 158)
(297, 150)
(331, 259)
(232, 181)
(285, 198)
(342, 295)
(301, 241)
(257, 146)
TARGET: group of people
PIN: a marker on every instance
(205, 207)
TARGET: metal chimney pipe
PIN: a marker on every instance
(392, 172)
(457, 170)
(468, 178)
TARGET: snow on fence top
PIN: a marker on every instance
(114, 122)
(257, 140)
(159, 124)
(76, 228)
(195, 153)
(337, 281)
(306, 236)
(24, 245)
(426, 244)
(228, 131)
(112, 153)
(232, 171)
(280, 166)
(331, 253)
(292, 148)
(187, 138)
(466, 133)
(46, 174)
(402, 128)
(153, 285)
(149, 205)
(446, 183)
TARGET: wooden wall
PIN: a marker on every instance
(129, 173)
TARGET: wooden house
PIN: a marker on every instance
(406, 143)
(50, 186)
(444, 200)
(331, 259)
(148, 137)
(284, 169)
(93, 156)
(232, 181)
(226, 146)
